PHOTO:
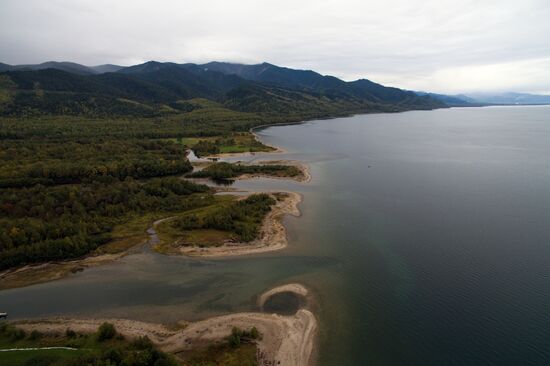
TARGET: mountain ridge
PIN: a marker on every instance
(276, 92)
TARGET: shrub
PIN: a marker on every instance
(106, 331)
(35, 335)
(113, 355)
(69, 333)
(17, 334)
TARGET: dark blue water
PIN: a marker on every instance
(425, 237)
(441, 222)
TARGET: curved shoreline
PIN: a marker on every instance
(295, 288)
(272, 233)
(51, 271)
(304, 177)
(287, 340)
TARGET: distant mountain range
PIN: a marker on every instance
(156, 88)
(64, 66)
(484, 99)
(153, 88)
(509, 98)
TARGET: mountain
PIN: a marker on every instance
(153, 88)
(453, 100)
(185, 80)
(311, 81)
(101, 69)
(484, 99)
(509, 98)
(63, 66)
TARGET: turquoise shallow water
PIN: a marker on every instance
(425, 237)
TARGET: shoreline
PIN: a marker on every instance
(287, 340)
(52, 271)
(272, 233)
(295, 288)
(304, 177)
(33, 274)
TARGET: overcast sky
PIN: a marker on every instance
(437, 45)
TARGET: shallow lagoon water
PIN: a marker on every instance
(425, 237)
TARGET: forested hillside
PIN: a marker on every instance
(157, 89)
(84, 150)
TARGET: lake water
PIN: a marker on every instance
(425, 236)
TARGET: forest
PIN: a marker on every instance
(241, 217)
(67, 182)
(41, 223)
(224, 170)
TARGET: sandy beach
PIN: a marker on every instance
(286, 340)
(295, 288)
(33, 274)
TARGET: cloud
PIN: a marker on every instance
(438, 45)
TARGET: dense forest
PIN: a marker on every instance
(224, 170)
(66, 182)
(43, 223)
(242, 217)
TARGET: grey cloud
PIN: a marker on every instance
(437, 45)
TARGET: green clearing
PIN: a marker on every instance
(228, 171)
(38, 357)
(102, 348)
(237, 349)
(228, 219)
(171, 236)
(227, 144)
(222, 355)
(106, 347)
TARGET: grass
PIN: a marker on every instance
(131, 233)
(222, 355)
(225, 170)
(206, 237)
(229, 144)
(171, 237)
(99, 348)
(22, 358)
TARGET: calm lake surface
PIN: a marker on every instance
(425, 236)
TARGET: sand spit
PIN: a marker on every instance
(295, 288)
(286, 340)
(272, 233)
(304, 177)
(50, 271)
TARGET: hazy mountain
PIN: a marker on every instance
(509, 98)
(452, 100)
(101, 69)
(64, 66)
